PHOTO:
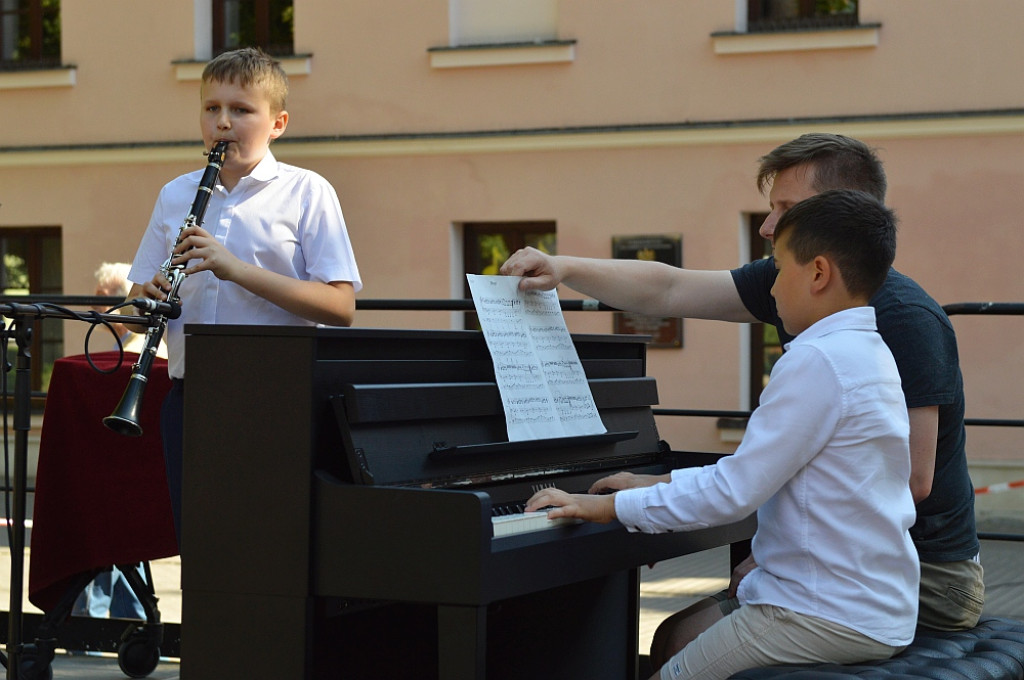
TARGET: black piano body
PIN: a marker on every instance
(339, 491)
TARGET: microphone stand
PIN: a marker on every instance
(20, 316)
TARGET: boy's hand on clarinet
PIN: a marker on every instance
(199, 251)
(157, 288)
(578, 505)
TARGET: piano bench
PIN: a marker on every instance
(993, 650)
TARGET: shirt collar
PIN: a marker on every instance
(265, 170)
(854, 318)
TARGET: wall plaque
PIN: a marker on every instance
(664, 331)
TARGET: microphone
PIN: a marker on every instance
(172, 310)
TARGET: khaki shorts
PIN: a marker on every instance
(762, 635)
(952, 595)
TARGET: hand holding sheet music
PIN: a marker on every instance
(541, 380)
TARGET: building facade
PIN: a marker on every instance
(443, 122)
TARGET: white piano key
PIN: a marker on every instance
(507, 525)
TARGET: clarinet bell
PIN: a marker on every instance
(125, 418)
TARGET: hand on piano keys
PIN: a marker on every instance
(590, 507)
(627, 480)
(522, 522)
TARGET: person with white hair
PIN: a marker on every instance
(112, 281)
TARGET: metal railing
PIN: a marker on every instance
(990, 309)
(964, 308)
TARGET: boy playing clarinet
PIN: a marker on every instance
(274, 248)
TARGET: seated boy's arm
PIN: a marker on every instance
(627, 480)
(599, 509)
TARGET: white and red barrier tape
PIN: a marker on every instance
(6, 522)
(996, 488)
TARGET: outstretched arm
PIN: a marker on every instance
(642, 286)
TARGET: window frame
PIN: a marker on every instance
(47, 334)
(496, 40)
(37, 56)
(262, 22)
(483, 22)
(515, 234)
(763, 354)
(808, 17)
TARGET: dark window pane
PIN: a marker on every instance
(486, 246)
(267, 24)
(31, 265)
(789, 15)
(29, 34)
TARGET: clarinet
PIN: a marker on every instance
(125, 418)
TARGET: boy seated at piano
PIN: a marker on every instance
(825, 462)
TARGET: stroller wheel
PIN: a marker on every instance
(137, 657)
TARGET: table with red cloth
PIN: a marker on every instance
(101, 497)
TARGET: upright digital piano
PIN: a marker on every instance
(352, 508)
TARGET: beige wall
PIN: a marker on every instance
(648, 131)
(636, 62)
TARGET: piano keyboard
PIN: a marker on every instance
(521, 522)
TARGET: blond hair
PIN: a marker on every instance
(251, 66)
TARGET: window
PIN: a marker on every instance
(481, 22)
(502, 33)
(29, 34)
(488, 244)
(765, 16)
(32, 266)
(765, 348)
(267, 24)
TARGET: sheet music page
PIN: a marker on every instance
(539, 374)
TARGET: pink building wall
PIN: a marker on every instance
(649, 131)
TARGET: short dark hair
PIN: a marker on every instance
(850, 227)
(839, 163)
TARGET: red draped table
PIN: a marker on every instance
(101, 497)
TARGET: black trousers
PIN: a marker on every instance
(172, 423)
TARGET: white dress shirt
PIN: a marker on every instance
(825, 461)
(281, 218)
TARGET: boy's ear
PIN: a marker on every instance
(280, 123)
(822, 272)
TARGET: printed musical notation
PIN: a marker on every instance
(540, 378)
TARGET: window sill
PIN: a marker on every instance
(503, 54)
(296, 65)
(864, 35)
(36, 78)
